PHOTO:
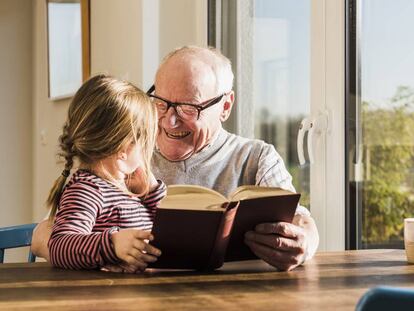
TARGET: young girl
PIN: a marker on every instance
(105, 212)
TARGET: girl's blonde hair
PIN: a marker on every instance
(105, 116)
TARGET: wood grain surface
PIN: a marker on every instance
(330, 281)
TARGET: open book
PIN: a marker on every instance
(198, 228)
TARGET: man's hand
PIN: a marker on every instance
(284, 245)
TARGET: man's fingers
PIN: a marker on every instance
(276, 258)
(262, 251)
(275, 241)
(282, 228)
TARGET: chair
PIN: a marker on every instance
(16, 236)
(387, 298)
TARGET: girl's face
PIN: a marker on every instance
(132, 159)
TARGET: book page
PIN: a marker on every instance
(251, 192)
(187, 189)
(192, 197)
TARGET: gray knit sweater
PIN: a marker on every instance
(228, 162)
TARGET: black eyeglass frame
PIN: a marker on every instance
(199, 107)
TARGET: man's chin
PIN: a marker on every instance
(175, 156)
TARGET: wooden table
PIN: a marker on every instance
(330, 281)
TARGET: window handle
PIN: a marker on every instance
(303, 128)
(310, 140)
(318, 126)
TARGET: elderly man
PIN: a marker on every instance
(193, 95)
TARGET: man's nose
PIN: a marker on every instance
(171, 117)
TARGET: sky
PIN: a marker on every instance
(387, 48)
(282, 57)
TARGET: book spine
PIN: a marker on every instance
(223, 236)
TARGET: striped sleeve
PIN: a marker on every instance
(153, 198)
(72, 244)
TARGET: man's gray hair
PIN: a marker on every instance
(220, 64)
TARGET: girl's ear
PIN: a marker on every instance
(122, 155)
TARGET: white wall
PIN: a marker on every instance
(116, 38)
(122, 44)
(48, 117)
(15, 113)
(182, 22)
(128, 39)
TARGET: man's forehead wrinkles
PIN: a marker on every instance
(178, 98)
(180, 93)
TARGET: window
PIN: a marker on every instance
(381, 123)
(271, 59)
(68, 46)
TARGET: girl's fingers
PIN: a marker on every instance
(146, 248)
(148, 258)
(133, 264)
(112, 268)
(143, 235)
(149, 249)
(138, 255)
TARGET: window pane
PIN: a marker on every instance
(281, 83)
(387, 119)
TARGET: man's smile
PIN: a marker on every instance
(177, 135)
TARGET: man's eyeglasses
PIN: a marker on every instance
(185, 111)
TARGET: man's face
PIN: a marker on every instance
(189, 82)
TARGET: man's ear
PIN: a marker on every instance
(227, 106)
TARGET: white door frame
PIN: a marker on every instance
(328, 97)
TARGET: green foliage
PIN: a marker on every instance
(388, 190)
(300, 180)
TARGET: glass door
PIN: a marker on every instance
(381, 125)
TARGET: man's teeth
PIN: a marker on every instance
(177, 134)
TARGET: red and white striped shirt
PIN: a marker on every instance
(90, 210)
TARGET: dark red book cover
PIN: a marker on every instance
(252, 212)
(204, 239)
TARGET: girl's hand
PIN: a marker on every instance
(132, 248)
(137, 181)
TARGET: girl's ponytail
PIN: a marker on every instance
(68, 153)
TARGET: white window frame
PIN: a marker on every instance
(327, 99)
(328, 95)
